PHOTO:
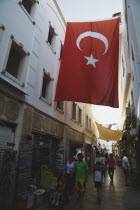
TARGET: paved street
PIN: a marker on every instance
(115, 196)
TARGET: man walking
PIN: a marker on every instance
(81, 169)
(111, 166)
(125, 165)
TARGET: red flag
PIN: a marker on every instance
(89, 66)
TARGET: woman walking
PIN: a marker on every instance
(69, 178)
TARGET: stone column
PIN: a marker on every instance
(18, 133)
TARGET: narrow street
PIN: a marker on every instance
(115, 196)
(69, 101)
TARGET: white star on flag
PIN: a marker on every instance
(91, 60)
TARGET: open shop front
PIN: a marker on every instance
(37, 175)
(75, 147)
(48, 156)
(45, 155)
(7, 165)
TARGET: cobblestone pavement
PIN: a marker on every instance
(115, 196)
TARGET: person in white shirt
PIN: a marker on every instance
(104, 163)
(69, 178)
(98, 159)
(69, 166)
(125, 165)
(103, 160)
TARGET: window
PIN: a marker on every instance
(74, 111)
(86, 122)
(51, 36)
(15, 60)
(46, 88)
(80, 116)
(133, 58)
(60, 105)
(61, 51)
(28, 5)
(2, 28)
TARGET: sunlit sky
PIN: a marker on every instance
(90, 10)
(106, 115)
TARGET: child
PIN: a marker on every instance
(58, 194)
(98, 177)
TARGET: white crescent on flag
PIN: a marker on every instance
(90, 59)
(94, 35)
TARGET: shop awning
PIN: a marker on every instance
(108, 134)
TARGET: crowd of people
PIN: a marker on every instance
(76, 175)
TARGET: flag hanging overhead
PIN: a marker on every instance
(108, 134)
(89, 66)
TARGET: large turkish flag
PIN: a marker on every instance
(89, 66)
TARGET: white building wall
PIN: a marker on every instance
(32, 31)
(16, 23)
(126, 77)
(33, 38)
(72, 123)
(132, 16)
(45, 58)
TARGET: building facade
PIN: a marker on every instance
(131, 19)
(39, 130)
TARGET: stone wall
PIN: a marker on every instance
(33, 120)
(47, 125)
(74, 135)
(27, 121)
(9, 109)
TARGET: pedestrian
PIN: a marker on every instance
(69, 178)
(98, 158)
(116, 156)
(103, 162)
(106, 157)
(69, 166)
(98, 178)
(125, 165)
(75, 158)
(81, 173)
(111, 166)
